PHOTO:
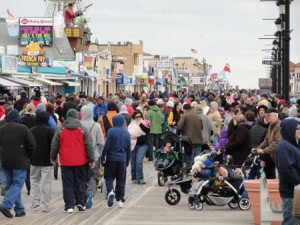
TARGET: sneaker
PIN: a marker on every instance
(89, 200)
(80, 208)
(34, 206)
(21, 214)
(134, 181)
(141, 182)
(70, 210)
(120, 204)
(6, 212)
(110, 197)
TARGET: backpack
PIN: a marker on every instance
(106, 124)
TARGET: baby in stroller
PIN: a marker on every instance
(202, 169)
(165, 155)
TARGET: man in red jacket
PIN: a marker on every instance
(74, 145)
(70, 15)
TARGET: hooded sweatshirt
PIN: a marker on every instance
(51, 122)
(287, 158)
(156, 118)
(94, 130)
(73, 142)
(16, 143)
(43, 136)
(117, 145)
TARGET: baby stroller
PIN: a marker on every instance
(172, 196)
(225, 187)
(175, 167)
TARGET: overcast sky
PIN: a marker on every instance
(222, 31)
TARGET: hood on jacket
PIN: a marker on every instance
(154, 108)
(42, 117)
(72, 113)
(213, 106)
(86, 113)
(13, 116)
(288, 130)
(123, 110)
(245, 124)
(40, 107)
(118, 121)
(71, 123)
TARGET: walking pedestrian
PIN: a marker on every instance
(17, 145)
(115, 158)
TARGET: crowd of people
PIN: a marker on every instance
(83, 133)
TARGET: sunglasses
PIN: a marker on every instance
(138, 117)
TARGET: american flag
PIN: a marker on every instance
(194, 51)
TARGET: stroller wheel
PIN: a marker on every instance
(172, 197)
(244, 203)
(233, 204)
(191, 206)
(198, 206)
(161, 179)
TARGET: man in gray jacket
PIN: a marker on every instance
(207, 128)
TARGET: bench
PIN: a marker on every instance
(269, 211)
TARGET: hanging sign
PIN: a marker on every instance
(33, 55)
(38, 30)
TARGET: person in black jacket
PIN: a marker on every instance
(287, 160)
(17, 145)
(41, 167)
(19, 104)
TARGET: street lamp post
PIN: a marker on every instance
(284, 10)
(279, 58)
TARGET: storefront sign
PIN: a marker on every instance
(120, 78)
(33, 55)
(38, 30)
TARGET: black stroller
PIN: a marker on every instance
(176, 167)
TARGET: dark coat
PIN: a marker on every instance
(28, 119)
(239, 143)
(16, 143)
(258, 132)
(43, 137)
(287, 158)
(70, 104)
(20, 103)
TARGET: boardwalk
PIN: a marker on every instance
(144, 205)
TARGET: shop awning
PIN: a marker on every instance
(47, 81)
(70, 83)
(7, 83)
(23, 82)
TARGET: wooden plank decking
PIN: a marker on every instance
(145, 204)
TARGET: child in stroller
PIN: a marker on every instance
(165, 155)
(225, 186)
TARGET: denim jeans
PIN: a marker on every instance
(15, 180)
(153, 140)
(137, 156)
(288, 218)
(2, 175)
(216, 139)
(189, 159)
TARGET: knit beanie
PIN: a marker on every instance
(72, 113)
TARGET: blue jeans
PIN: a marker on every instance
(288, 218)
(15, 180)
(153, 140)
(216, 140)
(189, 159)
(137, 156)
(2, 175)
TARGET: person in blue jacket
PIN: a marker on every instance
(287, 159)
(100, 109)
(115, 159)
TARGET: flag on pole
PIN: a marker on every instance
(227, 68)
(194, 51)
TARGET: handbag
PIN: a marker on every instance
(296, 203)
